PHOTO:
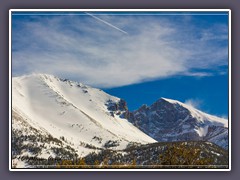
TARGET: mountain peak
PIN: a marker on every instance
(79, 112)
(169, 100)
(172, 120)
(193, 110)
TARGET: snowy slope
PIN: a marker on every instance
(170, 120)
(34, 144)
(73, 111)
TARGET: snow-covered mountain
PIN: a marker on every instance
(169, 120)
(73, 112)
(54, 117)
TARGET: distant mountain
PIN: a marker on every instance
(169, 120)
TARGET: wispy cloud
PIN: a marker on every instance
(86, 50)
(196, 103)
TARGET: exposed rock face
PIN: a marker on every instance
(167, 121)
(118, 108)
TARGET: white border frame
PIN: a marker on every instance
(119, 10)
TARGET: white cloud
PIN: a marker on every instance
(87, 50)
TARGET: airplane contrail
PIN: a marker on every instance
(107, 23)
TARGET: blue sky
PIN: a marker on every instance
(137, 56)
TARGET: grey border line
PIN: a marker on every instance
(64, 12)
(120, 14)
(5, 5)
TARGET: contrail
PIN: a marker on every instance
(107, 23)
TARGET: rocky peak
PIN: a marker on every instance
(170, 120)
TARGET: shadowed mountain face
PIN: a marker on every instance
(169, 120)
